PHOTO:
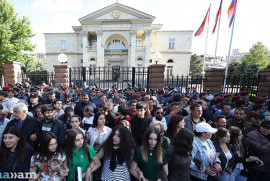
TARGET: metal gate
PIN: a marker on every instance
(107, 77)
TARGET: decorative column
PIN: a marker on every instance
(156, 76)
(61, 75)
(85, 45)
(12, 72)
(132, 56)
(147, 47)
(100, 49)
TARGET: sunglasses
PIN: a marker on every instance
(159, 112)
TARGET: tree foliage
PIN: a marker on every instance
(15, 34)
(258, 54)
(195, 66)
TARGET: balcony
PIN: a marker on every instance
(91, 48)
(140, 48)
(116, 51)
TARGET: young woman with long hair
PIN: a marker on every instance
(79, 155)
(15, 154)
(241, 170)
(50, 160)
(149, 159)
(179, 155)
(99, 132)
(117, 152)
(176, 123)
(226, 153)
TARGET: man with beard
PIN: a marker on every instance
(194, 117)
(50, 98)
(68, 102)
(159, 117)
(79, 108)
(238, 121)
(50, 124)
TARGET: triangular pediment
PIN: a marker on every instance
(125, 13)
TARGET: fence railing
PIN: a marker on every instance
(37, 77)
(185, 82)
(106, 77)
(236, 84)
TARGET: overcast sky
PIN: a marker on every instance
(48, 16)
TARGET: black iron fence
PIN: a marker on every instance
(36, 77)
(251, 83)
(106, 77)
(185, 82)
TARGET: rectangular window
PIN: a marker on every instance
(138, 43)
(92, 70)
(171, 43)
(63, 45)
(169, 71)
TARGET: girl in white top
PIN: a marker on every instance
(99, 132)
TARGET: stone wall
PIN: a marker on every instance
(214, 79)
(61, 75)
(264, 87)
(156, 76)
(12, 72)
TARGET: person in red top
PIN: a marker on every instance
(123, 113)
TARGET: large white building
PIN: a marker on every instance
(118, 35)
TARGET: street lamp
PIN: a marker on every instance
(157, 57)
(62, 58)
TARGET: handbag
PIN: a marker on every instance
(162, 174)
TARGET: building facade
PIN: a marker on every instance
(118, 35)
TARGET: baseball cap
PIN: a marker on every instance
(33, 95)
(205, 128)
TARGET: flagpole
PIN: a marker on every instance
(203, 72)
(217, 41)
(228, 59)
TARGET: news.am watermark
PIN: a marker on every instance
(18, 175)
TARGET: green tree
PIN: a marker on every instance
(15, 34)
(195, 66)
(258, 54)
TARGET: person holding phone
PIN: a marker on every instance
(226, 153)
(79, 155)
(149, 159)
(50, 161)
(204, 154)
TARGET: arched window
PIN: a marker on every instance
(123, 45)
(92, 60)
(170, 61)
(139, 59)
(109, 46)
(116, 44)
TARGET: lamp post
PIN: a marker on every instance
(62, 58)
(157, 57)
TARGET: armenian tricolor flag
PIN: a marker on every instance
(231, 11)
(217, 17)
(207, 16)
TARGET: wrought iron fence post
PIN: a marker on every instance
(84, 74)
(133, 76)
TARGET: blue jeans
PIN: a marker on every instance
(224, 176)
(235, 175)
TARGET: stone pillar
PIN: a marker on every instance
(132, 55)
(85, 45)
(12, 72)
(156, 76)
(100, 50)
(264, 86)
(61, 73)
(147, 47)
(214, 79)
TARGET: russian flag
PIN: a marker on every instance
(217, 17)
(231, 11)
(200, 30)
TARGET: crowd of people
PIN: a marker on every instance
(69, 133)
